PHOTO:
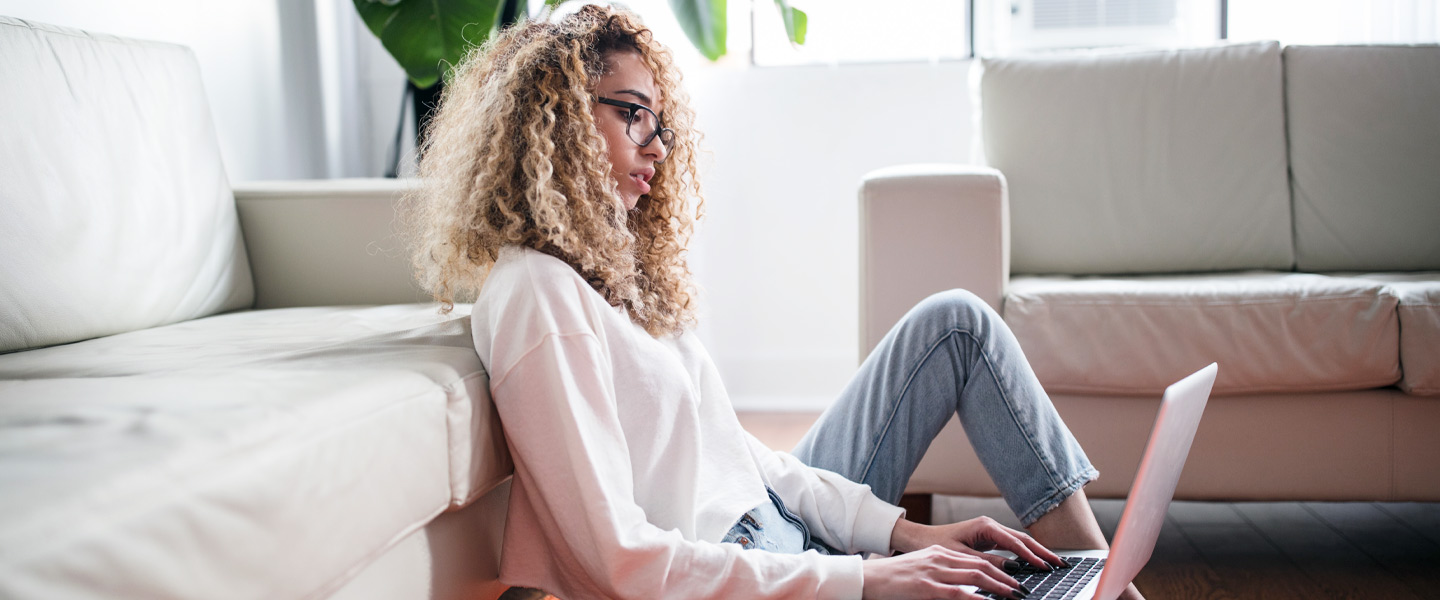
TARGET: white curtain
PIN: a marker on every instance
(358, 88)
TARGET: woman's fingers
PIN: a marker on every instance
(995, 572)
(937, 572)
(1008, 565)
(989, 584)
(954, 593)
(1038, 549)
(933, 572)
(1009, 541)
(964, 569)
(991, 534)
(984, 533)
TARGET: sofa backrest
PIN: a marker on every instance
(1141, 162)
(117, 214)
(1364, 125)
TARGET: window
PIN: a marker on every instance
(1335, 21)
(854, 31)
(1020, 26)
(850, 31)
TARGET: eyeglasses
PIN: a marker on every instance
(642, 126)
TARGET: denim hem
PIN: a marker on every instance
(1054, 499)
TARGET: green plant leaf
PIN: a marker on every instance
(429, 37)
(795, 21)
(704, 23)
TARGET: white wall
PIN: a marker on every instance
(778, 253)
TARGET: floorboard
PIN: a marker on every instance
(1329, 560)
(1244, 562)
(1422, 517)
(1404, 554)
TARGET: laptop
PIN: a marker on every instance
(1101, 574)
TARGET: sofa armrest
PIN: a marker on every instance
(326, 242)
(926, 229)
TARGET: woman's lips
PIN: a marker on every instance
(640, 182)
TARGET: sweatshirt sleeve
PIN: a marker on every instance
(557, 406)
(843, 513)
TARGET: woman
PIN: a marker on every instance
(556, 180)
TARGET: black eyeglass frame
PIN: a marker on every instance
(666, 135)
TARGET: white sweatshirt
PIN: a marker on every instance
(630, 464)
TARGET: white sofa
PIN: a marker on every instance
(1142, 214)
(207, 394)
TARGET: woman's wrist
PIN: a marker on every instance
(907, 536)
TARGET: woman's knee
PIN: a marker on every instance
(956, 308)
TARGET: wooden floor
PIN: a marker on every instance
(1272, 550)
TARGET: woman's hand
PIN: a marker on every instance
(936, 572)
(974, 537)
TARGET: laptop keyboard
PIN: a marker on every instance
(1060, 584)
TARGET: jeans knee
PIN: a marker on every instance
(956, 308)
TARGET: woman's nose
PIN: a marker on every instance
(655, 150)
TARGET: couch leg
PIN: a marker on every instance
(917, 507)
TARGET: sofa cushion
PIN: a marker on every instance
(1141, 162)
(1419, 311)
(411, 338)
(118, 215)
(188, 485)
(1364, 150)
(1270, 332)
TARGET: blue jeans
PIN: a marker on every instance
(773, 528)
(950, 354)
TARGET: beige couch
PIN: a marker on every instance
(216, 394)
(1145, 213)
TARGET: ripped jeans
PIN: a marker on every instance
(951, 354)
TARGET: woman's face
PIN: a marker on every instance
(631, 164)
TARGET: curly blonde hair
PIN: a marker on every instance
(513, 156)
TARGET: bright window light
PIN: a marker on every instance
(1335, 21)
(1005, 27)
(854, 31)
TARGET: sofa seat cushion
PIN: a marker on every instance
(1270, 332)
(190, 484)
(411, 338)
(1419, 310)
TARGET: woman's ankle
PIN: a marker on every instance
(1071, 525)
